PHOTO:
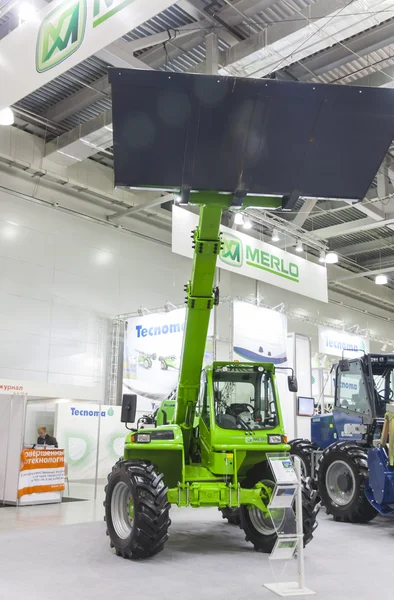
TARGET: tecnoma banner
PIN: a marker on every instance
(341, 343)
(247, 256)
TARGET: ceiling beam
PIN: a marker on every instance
(339, 54)
(362, 247)
(304, 212)
(212, 54)
(292, 40)
(364, 274)
(140, 207)
(383, 77)
(378, 263)
(366, 224)
(117, 54)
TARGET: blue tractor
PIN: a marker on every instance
(348, 457)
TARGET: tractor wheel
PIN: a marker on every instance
(231, 514)
(147, 363)
(303, 449)
(136, 509)
(342, 473)
(259, 529)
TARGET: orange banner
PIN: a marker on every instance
(41, 471)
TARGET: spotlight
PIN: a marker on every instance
(238, 219)
(247, 224)
(322, 258)
(27, 12)
(331, 258)
(275, 236)
(299, 247)
(6, 116)
(381, 279)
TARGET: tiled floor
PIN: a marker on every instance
(64, 550)
(67, 513)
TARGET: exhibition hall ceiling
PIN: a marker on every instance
(316, 41)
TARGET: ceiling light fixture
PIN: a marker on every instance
(247, 224)
(27, 12)
(238, 219)
(6, 116)
(299, 247)
(275, 236)
(322, 258)
(331, 258)
(178, 198)
(381, 279)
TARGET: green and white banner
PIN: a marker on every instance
(245, 255)
(83, 429)
(152, 353)
(260, 334)
(62, 35)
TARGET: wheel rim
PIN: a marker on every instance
(340, 483)
(262, 523)
(122, 510)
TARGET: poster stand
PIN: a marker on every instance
(288, 525)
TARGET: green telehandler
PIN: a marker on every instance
(214, 453)
(202, 133)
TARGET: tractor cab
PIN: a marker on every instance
(363, 387)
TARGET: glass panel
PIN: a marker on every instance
(244, 399)
(352, 392)
(76, 430)
(112, 436)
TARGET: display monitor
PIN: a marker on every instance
(305, 406)
(248, 136)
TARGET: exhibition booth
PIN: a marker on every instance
(89, 434)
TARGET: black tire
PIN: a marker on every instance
(303, 449)
(145, 533)
(265, 542)
(231, 514)
(354, 457)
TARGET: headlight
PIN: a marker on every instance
(142, 438)
(274, 439)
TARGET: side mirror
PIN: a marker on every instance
(292, 383)
(344, 365)
(129, 408)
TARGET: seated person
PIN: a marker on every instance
(45, 438)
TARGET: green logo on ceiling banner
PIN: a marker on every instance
(104, 9)
(61, 34)
(232, 251)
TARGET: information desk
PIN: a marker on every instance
(41, 477)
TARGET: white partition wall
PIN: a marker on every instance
(299, 351)
(12, 424)
(286, 398)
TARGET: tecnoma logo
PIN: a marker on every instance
(61, 34)
(232, 251)
(77, 412)
(167, 328)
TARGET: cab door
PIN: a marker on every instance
(352, 410)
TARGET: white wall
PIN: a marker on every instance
(63, 278)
